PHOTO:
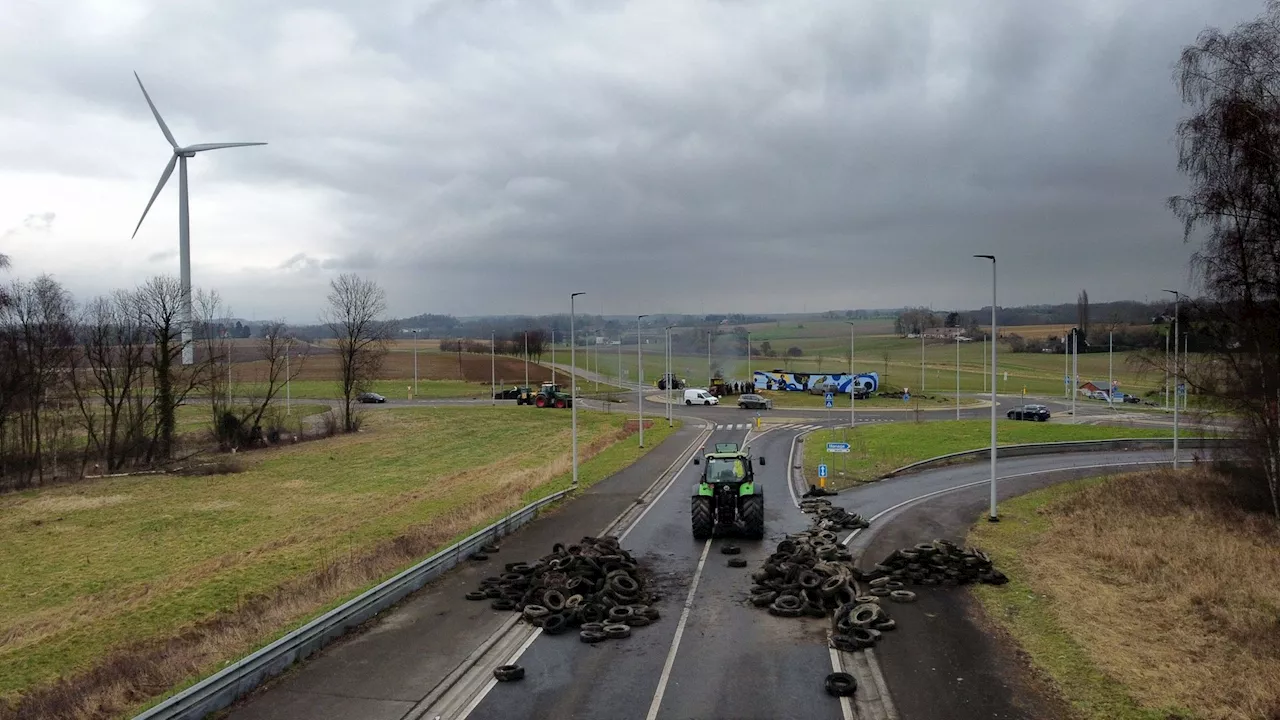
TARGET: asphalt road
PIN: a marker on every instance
(711, 655)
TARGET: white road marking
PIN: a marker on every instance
(475, 702)
(675, 642)
(943, 491)
(791, 486)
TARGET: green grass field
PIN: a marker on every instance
(196, 416)
(898, 360)
(95, 566)
(878, 449)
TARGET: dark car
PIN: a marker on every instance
(511, 393)
(751, 400)
(1029, 412)
(1132, 399)
(370, 397)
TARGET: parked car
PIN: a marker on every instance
(1029, 412)
(370, 397)
(1132, 399)
(753, 401)
(700, 397)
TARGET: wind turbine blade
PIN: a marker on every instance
(217, 146)
(164, 178)
(163, 128)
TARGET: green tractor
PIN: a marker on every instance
(727, 498)
(549, 395)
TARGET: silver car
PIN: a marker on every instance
(758, 402)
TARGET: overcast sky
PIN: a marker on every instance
(487, 156)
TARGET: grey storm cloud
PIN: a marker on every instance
(666, 156)
(34, 223)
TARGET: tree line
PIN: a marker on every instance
(95, 388)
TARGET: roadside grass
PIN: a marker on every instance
(392, 389)
(1146, 596)
(877, 449)
(115, 590)
(195, 416)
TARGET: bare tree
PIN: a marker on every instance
(1082, 314)
(160, 302)
(354, 316)
(278, 349)
(110, 380)
(1229, 149)
(36, 332)
(214, 347)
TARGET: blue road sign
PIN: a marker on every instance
(822, 470)
(906, 397)
(838, 447)
(829, 399)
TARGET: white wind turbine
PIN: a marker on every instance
(180, 155)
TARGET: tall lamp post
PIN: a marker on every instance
(852, 379)
(669, 378)
(526, 358)
(573, 387)
(750, 375)
(957, 376)
(640, 378)
(415, 363)
(992, 516)
(493, 368)
(1177, 377)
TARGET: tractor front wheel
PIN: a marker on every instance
(753, 516)
(540, 402)
(701, 515)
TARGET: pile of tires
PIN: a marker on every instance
(940, 562)
(858, 625)
(809, 574)
(593, 586)
(832, 517)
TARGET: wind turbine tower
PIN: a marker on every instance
(179, 158)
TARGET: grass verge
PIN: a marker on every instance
(841, 403)
(877, 449)
(115, 591)
(1146, 596)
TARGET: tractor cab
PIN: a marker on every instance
(727, 497)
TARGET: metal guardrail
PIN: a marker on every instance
(231, 683)
(1047, 448)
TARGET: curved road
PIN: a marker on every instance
(711, 655)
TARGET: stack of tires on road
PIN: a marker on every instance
(593, 586)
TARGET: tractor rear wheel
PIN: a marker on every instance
(752, 512)
(560, 403)
(701, 515)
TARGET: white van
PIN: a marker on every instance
(701, 397)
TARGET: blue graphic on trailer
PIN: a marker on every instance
(801, 382)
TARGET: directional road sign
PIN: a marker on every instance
(822, 470)
(840, 447)
(829, 399)
(906, 397)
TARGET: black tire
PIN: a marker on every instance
(508, 673)
(753, 516)
(592, 636)
(841, 684)
(503, 604)
(479, 556)
(737, 562)
(700, 514)
(688, 402)
(477, 595)
(707, 403)
(730, 549)
(555, 624)
(616, 631)
(902, 596)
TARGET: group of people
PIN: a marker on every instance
(739, 388)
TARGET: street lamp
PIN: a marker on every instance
(750, 375)
(573, 385)
(852, 377)
(1177, 297)
(992, 516)
(670, 377)
(415, 363)
(640, 378)
(493, 368)
(526, 358)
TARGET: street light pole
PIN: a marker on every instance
(853, 379)
(526, 358)
(708, 359)
(288, 377)
(1177, 298)
(921, 391)
(750, 375)
(992, 516)
(1075, 372)
(573, 386)
(1111, 381)
(493, 368)
(640, 378)
(957, 376)
(669, 378)
(415, 363)
(553, 354)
